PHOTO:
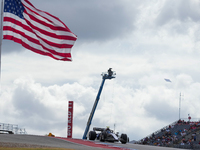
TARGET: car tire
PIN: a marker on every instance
(124, 138)
(92, 135)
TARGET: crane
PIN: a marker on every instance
(108, 75)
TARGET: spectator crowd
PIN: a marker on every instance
(178, 134)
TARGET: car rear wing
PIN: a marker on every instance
(98, 129)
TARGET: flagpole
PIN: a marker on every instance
(1, 33)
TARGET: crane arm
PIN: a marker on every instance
(110, 75)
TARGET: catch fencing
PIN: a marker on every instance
(11, 129)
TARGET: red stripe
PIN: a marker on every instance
(66, 55)
(94, 144)
(8, 28)
(45, 24)
(34, 12)
(14, 21)
(56, 45)
(30, 30)
(51, 27)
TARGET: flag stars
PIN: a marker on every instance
(14, 7)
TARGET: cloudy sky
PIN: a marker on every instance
(143, 41)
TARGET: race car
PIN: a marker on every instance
(105, 134)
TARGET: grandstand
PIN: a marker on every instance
(11, 129)
(179, 134)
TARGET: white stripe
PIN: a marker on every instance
(46, 28)
(15, 26)
(34, 45)
(44, 36)
(59, 50)
(114, 135)
(55, 40)
(57, 23)
(38, 47)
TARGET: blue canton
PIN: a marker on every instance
(15, 7)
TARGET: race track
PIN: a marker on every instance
(76, 144)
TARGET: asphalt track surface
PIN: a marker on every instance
(76, 144)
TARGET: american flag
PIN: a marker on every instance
(37, 30)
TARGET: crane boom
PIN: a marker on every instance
(108, 75)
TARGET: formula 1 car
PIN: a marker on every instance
(108, 135)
